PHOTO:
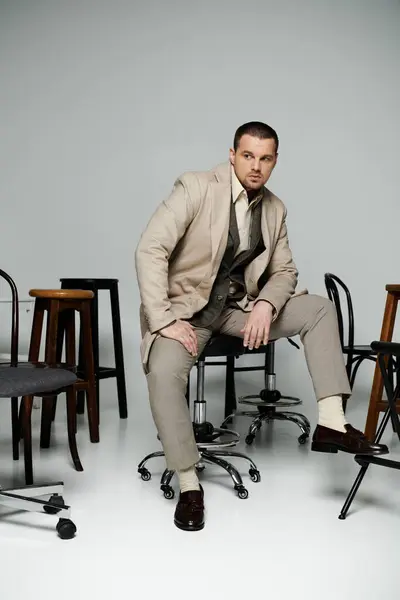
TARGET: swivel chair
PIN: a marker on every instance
(269, 401)
(214, 444)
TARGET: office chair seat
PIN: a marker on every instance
(29, 379)
(223, 345)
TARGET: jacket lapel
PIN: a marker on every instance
(220, 192)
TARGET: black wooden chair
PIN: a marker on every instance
(355, 354)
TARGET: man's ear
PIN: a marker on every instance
(232, 155)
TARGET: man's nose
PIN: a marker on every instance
(256, 164)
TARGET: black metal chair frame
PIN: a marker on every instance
(354, 357)
(386, 353)
(31, 497)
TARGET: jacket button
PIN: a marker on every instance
(220, 298)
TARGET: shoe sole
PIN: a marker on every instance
(183, 527)
(334, 449)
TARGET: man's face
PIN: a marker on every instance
(253, 161)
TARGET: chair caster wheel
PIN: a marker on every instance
(200, 468)
(341, 517)
(145, 474)
(66, 529)
(255, 475)
(169, 493)
(54, 499)
(242, 492)
(249, 439)
(303, 438)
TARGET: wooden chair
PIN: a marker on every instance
(355, 354)
(61, 306)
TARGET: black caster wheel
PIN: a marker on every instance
(255, 475)
(303, 438)
(54, 499)
(169, 493)
(242, 492)
(249, 439)
(66, 529)
(200, 468)
(145, 474)
(270, 395)
(341, 517)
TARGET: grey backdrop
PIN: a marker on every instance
(103, 104)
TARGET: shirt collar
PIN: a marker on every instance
(238, 189)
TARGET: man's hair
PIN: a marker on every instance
(256, 129)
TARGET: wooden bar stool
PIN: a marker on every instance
(61, 306)
(376, 404)
(102, 372)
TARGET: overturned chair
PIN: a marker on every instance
(214, 444)
(388, 359)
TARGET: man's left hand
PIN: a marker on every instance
(256, 330)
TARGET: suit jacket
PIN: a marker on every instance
(179, 253)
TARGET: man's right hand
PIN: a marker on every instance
(182, 332)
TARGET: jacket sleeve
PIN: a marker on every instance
(281, 273)
(164, 230)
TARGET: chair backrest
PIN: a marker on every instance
(331, 283)
(14, 317)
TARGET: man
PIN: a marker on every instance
(215, 257)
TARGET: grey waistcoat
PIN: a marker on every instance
(231, 270)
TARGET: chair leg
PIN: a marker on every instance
(80, 396)
(90, 375)
(187, 394)
(71, 420)
(48, 404)
(27, 404)
(16, 428)
(94, 323)
(230, 393)
(62, 322)
(36, 332)
(363, 470)
(118, 351)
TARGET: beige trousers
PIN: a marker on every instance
(312, 317)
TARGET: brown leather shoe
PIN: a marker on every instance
(353, 441)
(189, 512)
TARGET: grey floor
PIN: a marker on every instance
(284, 541)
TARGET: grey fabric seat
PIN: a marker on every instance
(28, 379)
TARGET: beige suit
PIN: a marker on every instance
(177, 260)
(183, 245)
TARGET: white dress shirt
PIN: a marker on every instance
(243, 210)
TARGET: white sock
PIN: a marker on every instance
(188, 480)
(331, 413)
